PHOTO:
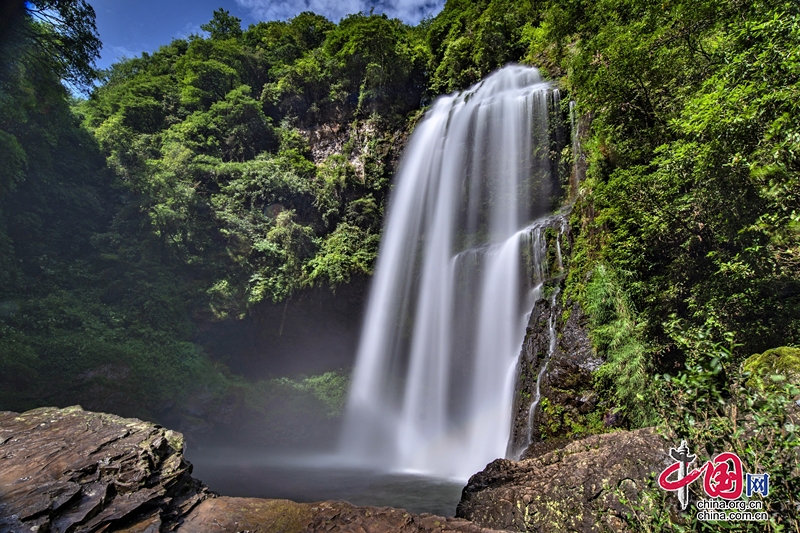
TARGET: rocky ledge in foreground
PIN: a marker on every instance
(73, 471)
(580, 487)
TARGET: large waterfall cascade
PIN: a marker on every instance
(459, 267)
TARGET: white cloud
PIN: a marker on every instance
(188, 29)
(409, 11)
(122, 52)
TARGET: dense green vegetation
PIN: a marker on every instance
(177, 192)
(686, 248)
(719, 405)
(695, 183)
(241, 167)
(206, 133)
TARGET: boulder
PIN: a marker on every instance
(583, 486)
(73, 470)
(784, 361)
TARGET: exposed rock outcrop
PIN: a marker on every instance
(567, 388)
(580, 487)
(535, 348)
(70, 470)
(566, 391)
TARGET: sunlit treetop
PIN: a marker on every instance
(223, 25)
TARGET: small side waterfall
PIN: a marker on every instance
(537, 392)
(551, 330)
(460, 266)
(540, 340)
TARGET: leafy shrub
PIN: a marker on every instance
(711, 405)
(616, 335)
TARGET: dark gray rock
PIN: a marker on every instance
(567, 395)
(71, 470)
(567, 388)
(583, 486)
(535, 348)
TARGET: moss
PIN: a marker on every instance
(175, 440)
(565, 314)
(563, 421)
(784, 361)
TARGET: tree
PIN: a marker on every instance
(223, 25)
(55, 36)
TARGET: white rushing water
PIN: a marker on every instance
(433, 384)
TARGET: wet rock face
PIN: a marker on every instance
(533, 355)
(580, 487)
(72, 470)
(567, 393)
(569, 405)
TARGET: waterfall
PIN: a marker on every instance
(456, 275)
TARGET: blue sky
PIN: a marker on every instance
(128, 28)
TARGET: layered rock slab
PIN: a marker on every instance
(70, 470)
(583, 486)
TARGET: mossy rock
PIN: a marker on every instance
(784, 361)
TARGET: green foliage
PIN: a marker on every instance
(710, 405)
(233, 129)
(616, 335)
(784, 361)
(90, 349)
(328, 389)
(346, 252)
(468, 40)
(61, 39)
(223, 25)
(693, 182)
(205, 81)
(558, 421)
(13, 161)
(231, 197)
(378, 59)
(365, 64)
